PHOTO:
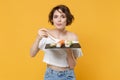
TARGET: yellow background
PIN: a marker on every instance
(97, 23)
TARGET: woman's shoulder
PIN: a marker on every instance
(72, 36)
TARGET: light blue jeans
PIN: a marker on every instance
(59, 75)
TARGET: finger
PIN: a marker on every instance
(44, 29)
(41, 31)
(43, 35)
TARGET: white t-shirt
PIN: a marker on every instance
(56, 57)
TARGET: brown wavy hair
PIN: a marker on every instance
(65, 10)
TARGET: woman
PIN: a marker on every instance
(60, 62)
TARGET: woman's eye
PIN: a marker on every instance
(63, 16)
(55, 16)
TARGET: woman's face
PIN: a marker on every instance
(59, 19)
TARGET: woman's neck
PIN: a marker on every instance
(60, 31)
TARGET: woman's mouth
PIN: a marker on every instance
(58, 24)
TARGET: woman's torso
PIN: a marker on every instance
(61, 36)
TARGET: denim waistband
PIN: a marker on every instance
(59, 72)
(67, 74)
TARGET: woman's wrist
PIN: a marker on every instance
(39, 37)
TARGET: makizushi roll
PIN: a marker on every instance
(68, 43)
(60, 43)
(52, 44)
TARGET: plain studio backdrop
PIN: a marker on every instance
(97, 24)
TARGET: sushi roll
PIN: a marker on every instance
(68, 43)
(60, 43)
(52, 44)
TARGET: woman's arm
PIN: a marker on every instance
(70, 58)
(34, 49)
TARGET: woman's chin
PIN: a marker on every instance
(60, 27)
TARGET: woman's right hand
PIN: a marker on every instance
(42, 33)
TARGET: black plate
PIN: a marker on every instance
(75, 45)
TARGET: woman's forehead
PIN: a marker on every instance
(59, 11)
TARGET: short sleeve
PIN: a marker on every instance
(42, 43)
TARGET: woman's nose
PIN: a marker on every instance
(59, 19)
